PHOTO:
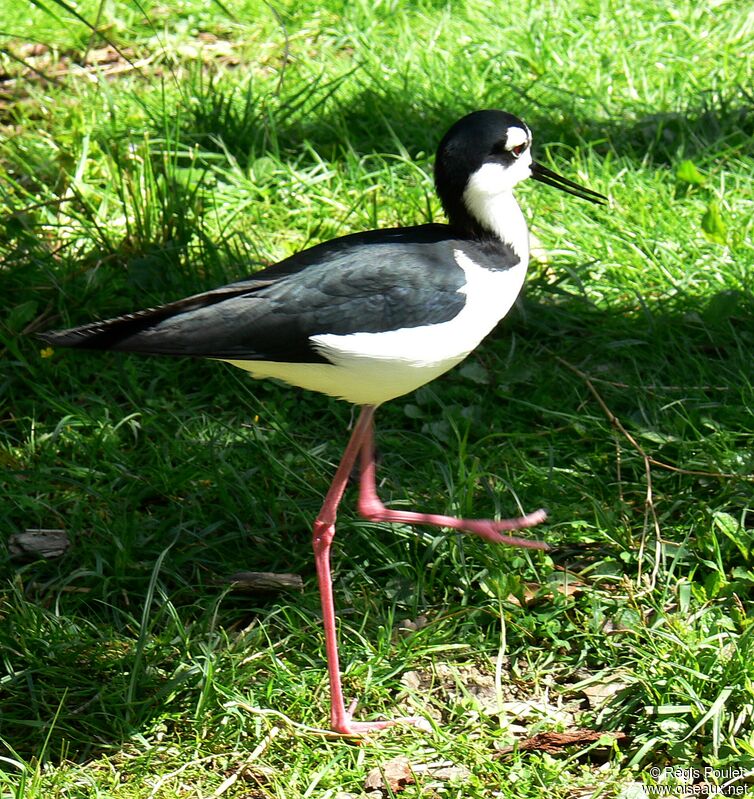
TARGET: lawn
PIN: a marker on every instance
(148, 152)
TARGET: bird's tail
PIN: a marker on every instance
(110, 334)
(171, 329)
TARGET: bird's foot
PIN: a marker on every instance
(343, 723)
(493, 530)
(370, 507)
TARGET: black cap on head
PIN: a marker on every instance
(462, 151)
(468, 144)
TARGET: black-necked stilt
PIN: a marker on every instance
(369, 317)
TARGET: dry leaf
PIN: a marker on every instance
(396, 774)
(407, 626)
(533, 593)
(444, 770)
(266, 581)
(598, 693)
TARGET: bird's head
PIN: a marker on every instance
(481, 158)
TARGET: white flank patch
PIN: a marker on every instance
(489, 199)
(371, 368)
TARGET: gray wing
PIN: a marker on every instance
(368, 282)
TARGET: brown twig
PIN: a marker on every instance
(554, 742)
(650, 511)
(615, 421)
(265, 581)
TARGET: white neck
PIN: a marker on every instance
(491, 202)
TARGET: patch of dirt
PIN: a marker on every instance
(27, 64)
(535, 718)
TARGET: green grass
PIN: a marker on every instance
(225, 141)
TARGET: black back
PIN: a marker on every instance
(368, 282)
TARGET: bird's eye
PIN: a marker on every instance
(517, 150)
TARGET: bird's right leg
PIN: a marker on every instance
(371, 507)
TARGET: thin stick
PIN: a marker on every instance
(616, 422)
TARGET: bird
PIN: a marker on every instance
(368, 317)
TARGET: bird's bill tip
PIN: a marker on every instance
(545, 175)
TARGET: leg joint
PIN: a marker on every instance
(322, 534)
(370, 507)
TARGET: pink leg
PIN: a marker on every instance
(324, 532)
(372, 508)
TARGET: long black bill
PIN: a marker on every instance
(545, 175)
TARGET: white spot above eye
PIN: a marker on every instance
(516, 137)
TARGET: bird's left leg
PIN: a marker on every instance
(341, 717)
(371, 507)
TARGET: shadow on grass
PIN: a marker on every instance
(234, 120)
(160, 513)
(89, 669)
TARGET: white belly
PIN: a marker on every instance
(371, 368)
(361, 381)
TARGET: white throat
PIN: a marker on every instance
(489, 199)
